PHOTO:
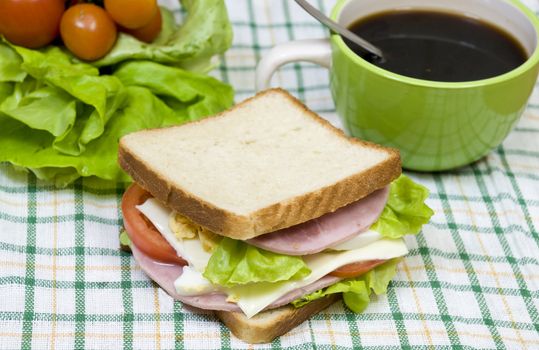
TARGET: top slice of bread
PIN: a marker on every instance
(265, 164)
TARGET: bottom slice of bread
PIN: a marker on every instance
(268, 325)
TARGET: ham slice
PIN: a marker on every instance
(165, 275)
(326, 231)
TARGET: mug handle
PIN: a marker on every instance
(316, 51)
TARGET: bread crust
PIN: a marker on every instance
(270, 324)
(279, 215)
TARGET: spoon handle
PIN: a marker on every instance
(336, 27)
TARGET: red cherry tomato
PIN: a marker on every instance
(30, 23)
(149, 32)
(132, 14)
(356, 269)
(142, 232)
(88, 31)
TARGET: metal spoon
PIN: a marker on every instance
(337, 28)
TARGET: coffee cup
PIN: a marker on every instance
(436, 125)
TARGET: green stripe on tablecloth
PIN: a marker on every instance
(291, 36)
(127, 299)
(352, 326)
(29, 279)
(531, 130)
(253, 28)
(59, 219)
(46, 187)
(178, 325)
(179, 313)
(126, 285)
(80, 295)
(524, 153)
(90, 251)
(397, 317)
(225, 337)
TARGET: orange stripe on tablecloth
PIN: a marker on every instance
(489, 262)
(417, 303)
(477, 272)
(524, 166)
(157, 310)
(487, 214)
(59, 202)
(531, 116)
(330, 331)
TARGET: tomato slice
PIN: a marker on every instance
(142, 232)
(356, 269)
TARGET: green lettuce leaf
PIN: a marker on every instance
(356, 291)
(6, 89)
(405, 211)
(187, 93)
(10, 65)
(235, 263)
(34, 149)
(34, 109)
(101, 95)
(205, 33)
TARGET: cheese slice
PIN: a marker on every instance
(191, 282)
(189, 249)
(359, 241)
(254, 298)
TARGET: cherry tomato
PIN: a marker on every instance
(88, 31)
(132, 14)
(142, 232)
(356, 269)
(149, 32)
(30, 23)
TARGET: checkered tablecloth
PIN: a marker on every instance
(471, 279)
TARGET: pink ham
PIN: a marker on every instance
(165, 275)
(328, 230)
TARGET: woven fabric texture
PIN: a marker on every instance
(470, 281)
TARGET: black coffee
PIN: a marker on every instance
(438, 46)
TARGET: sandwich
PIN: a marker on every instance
(267, 214)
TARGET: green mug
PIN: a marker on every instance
(435, 125)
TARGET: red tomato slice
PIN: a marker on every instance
(356, 269)
(142, 232)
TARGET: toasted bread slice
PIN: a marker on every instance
(270, 324)
(265, 164)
